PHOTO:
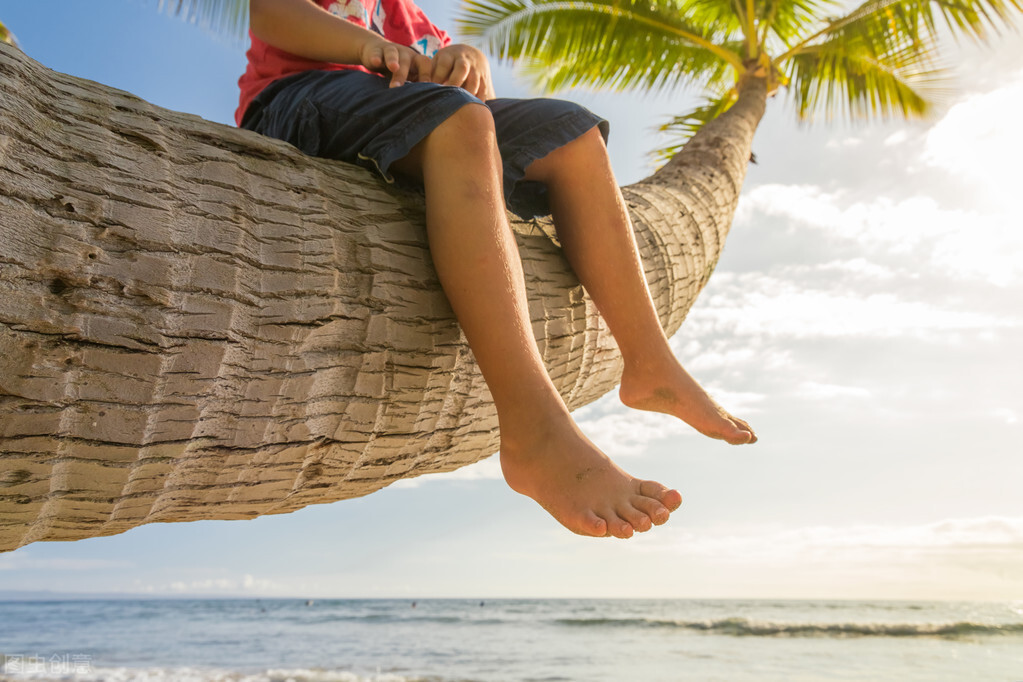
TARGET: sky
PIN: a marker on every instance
(865, 318)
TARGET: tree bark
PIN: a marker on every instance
(197, 322)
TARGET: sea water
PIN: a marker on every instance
(276, 640)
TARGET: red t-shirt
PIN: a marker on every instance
(399, 21)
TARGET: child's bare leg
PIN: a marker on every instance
(543, 454)
(596, 234)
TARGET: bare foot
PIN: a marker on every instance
(671, 390)
(580, 486)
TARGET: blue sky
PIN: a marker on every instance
(865, 319)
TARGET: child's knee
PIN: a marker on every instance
(469, 129)
(465, 138)
(584, 153)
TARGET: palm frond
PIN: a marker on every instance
(788, 20)
(646, 63)
(914, 21)
(974, 19)
(847, 76)
(228, 18)
(683, 127)
(727, 15)
(566, 29)
(7, 37)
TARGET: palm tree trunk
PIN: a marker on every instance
(197, 322)
(682, 213)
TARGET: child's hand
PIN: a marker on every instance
(403, 63)
(464, 66)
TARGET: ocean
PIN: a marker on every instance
(498, 640)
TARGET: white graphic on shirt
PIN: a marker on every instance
(352, 10)
(428, 45)
(379, 17)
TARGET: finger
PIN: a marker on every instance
(422, 65)
(392, 58)
(398, 63)
(374, 59)
(441, 66)
(459, 72)
(472, 82)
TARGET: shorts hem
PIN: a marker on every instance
(393, 148)
(556, 133)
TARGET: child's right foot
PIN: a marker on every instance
(580, 486)
(668, 388)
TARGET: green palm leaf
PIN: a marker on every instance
(786, 21)
(726, 15)
(565, 29)
(665, 65)
(225, 17)
(844, 76)
(685, 126)
(914, 21)
(7, 37)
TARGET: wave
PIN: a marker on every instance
(45, 672)
(381, 618)
(745, 627)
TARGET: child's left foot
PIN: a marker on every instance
(671, 390)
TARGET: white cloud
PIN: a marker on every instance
(753, 304)
(846, 142)
(980, 141)
(25, 561)
(621, 431)
(991, 536)
(988, 248)
(978, 144)
(703, 355)
(737, 402)
(811, 390)
(485, 469)
(628, 432)
(1006, 415)
(896, 138)
(978, 244)
(860, 267)
(897, 225)
(245, 583)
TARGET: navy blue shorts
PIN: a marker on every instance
(356, 117)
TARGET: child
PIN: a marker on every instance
(374, 82)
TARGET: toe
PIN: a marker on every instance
(654, 510)
(593, 526)
(739, 437)
(639, 520)
(736, 431)
(668, 497)
(618, 527)
(743, 425)
(736, 434)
